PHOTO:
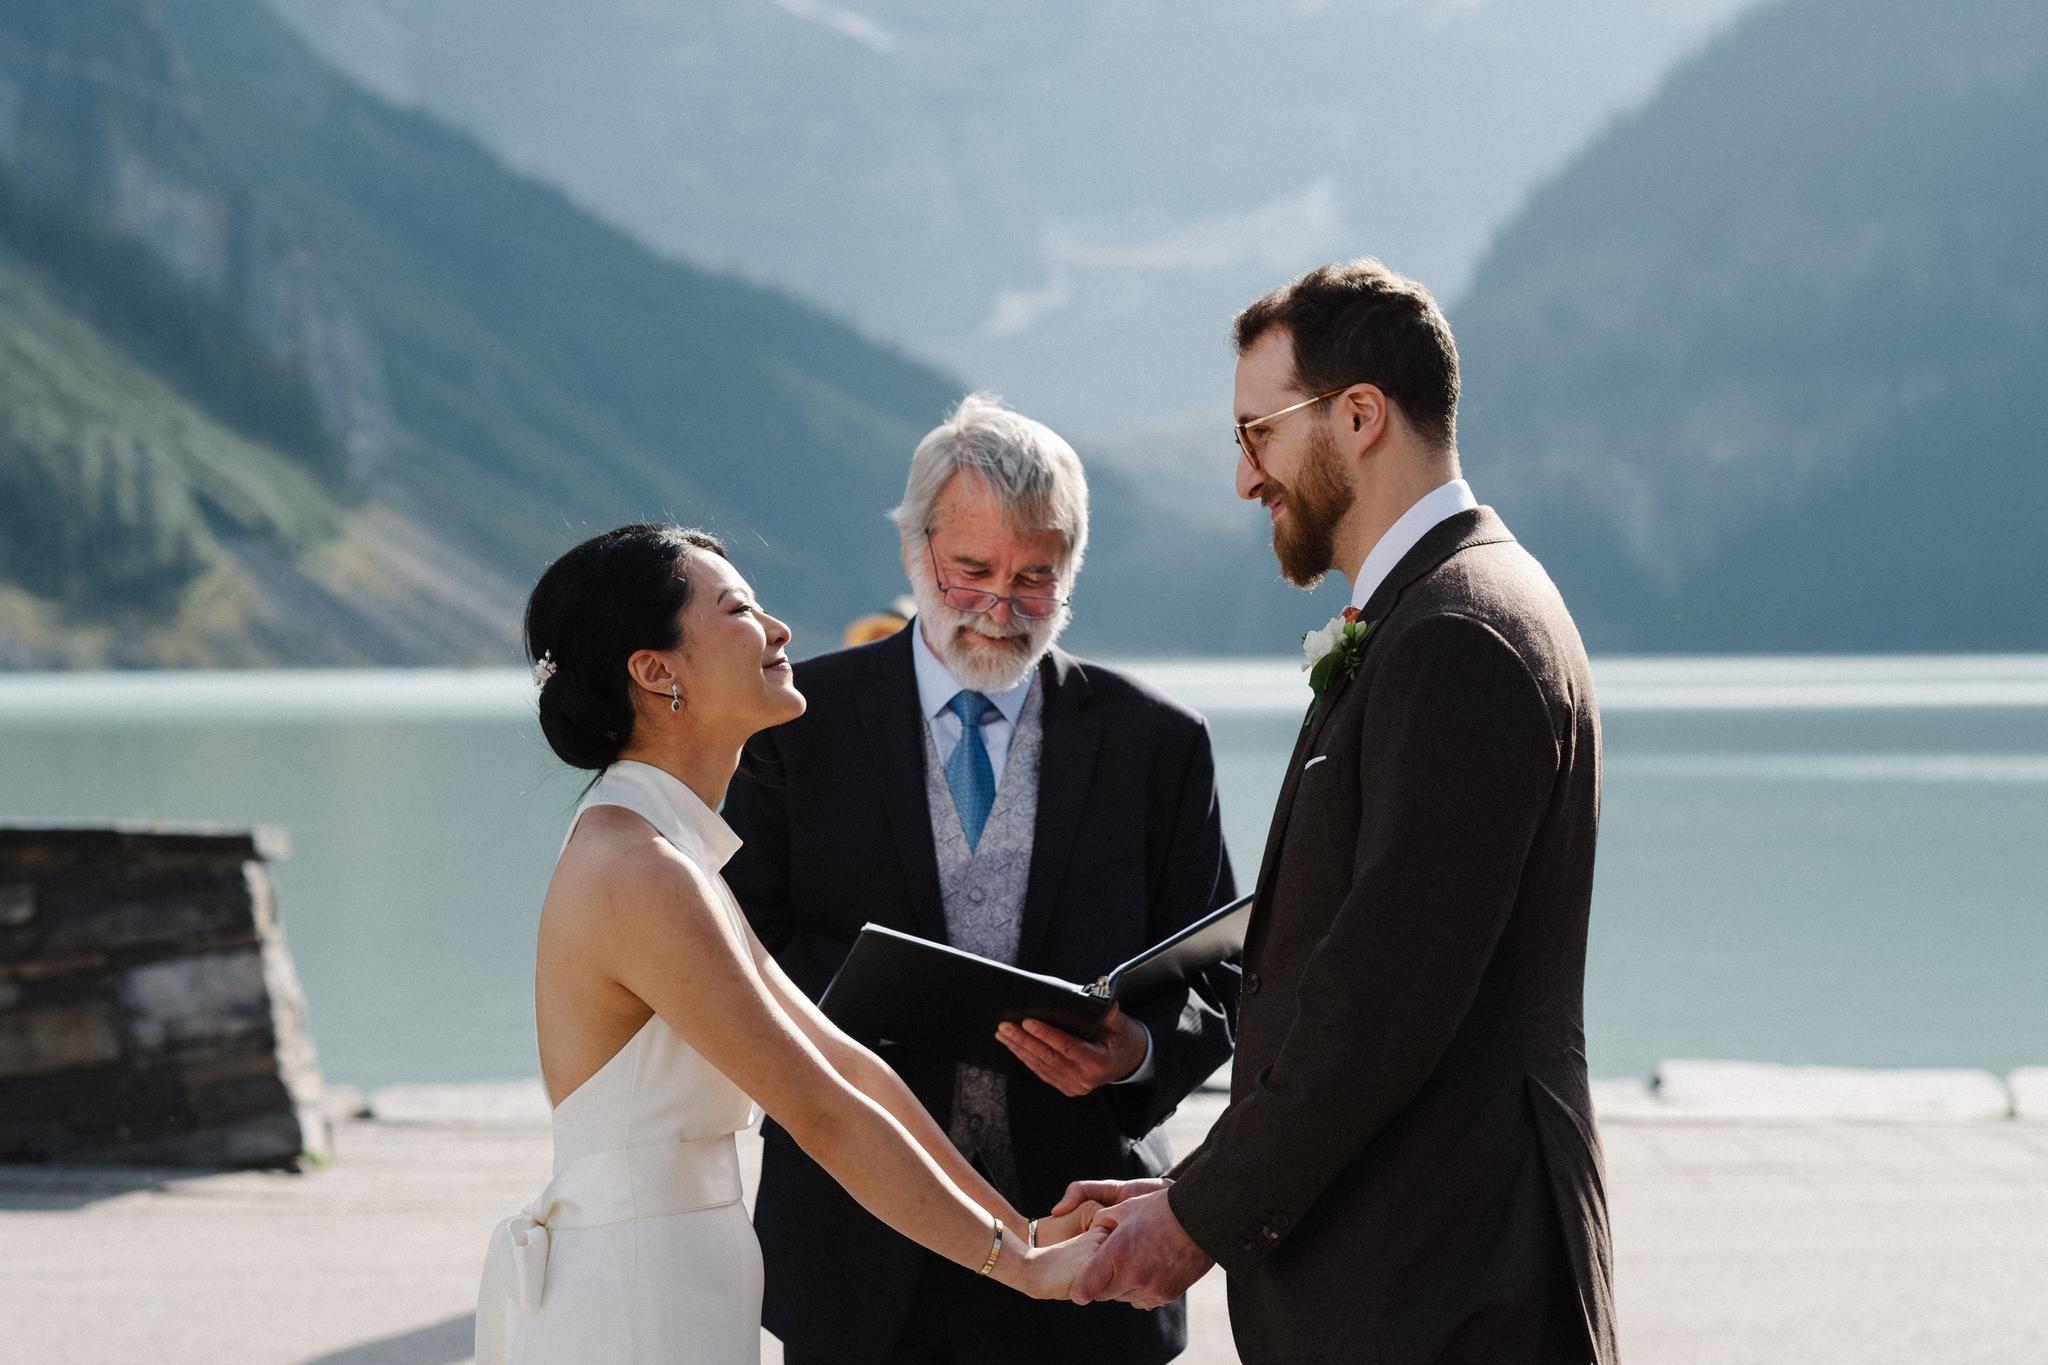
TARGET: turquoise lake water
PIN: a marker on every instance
(1801, 860)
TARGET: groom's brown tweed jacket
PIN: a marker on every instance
(1408, 1169)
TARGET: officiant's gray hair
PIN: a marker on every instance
(1033, 473)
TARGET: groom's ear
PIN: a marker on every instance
(1368, 410)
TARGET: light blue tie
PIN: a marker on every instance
(968, 772)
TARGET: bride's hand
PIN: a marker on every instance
(1052, 1230)
(1049, 1271)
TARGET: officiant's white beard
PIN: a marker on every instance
(984, 656)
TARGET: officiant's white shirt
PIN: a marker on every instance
(1433, 508)
(937, 686)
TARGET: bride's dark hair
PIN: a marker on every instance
(595, 607)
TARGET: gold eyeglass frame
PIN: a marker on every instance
(1243, 429)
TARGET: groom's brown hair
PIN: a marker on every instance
(1360, 323)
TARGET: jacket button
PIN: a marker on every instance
(1272, 1234)
(1251, 983)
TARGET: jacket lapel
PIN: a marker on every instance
(1066, 768)
(893, 722)
(1480, 526)
(1289, 780)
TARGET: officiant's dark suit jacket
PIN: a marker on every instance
(1408, 1169)
(1128, 847)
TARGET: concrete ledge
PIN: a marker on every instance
(2029, 1086)
(1684, 1091)
(344, 1104)
(1753, 1091)
(1625, 1100)
(470, 1104)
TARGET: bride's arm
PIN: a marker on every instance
(663, 937)
(874, 1078)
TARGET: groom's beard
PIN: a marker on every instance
(984, 656)
(1305, 540)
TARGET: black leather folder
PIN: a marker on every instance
(898, 988)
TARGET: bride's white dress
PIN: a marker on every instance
(639, 1251)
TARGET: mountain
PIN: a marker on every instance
(1065, 201)
(289, 375)
(169, 489)
(123, 498)
(297, 377)
(1761, 369)
(549, 371)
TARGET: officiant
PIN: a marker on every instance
(966, 781)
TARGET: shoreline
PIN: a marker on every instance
(1216, 685)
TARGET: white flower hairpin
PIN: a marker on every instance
(544, 669)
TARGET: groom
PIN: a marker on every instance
(1408, 1169)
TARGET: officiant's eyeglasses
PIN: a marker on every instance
(1244, 433)
(974, 601)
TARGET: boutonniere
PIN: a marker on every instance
(1337, 648)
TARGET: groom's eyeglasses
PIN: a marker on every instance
(974, 601)
(1244, 429)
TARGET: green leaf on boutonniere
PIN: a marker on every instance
(1319, 676)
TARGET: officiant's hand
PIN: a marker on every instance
(1149, 1259)
(1074, 1066)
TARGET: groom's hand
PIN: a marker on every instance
(1106, 1192)
(1149, 1259)
(1074, 1066)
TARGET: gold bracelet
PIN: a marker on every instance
(1031, 1235)
(995, 1248)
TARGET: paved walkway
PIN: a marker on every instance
(1737, 1243)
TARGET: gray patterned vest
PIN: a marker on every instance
(982, 889)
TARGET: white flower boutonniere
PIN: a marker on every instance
(1336, 648)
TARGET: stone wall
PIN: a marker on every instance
(149, 1013)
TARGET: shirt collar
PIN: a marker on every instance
(1432, 508)
(685, 820)
(936, 684)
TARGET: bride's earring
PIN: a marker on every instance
(675, 697)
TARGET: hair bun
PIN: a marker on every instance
(597, 605)
(580, 727)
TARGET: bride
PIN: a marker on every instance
(663, 1022)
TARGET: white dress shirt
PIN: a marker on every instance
(936, 686)
(1438, 505)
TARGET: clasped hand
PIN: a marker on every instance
(1148, 1259)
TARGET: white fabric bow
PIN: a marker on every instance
(527, 1237)
(515, 1272)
